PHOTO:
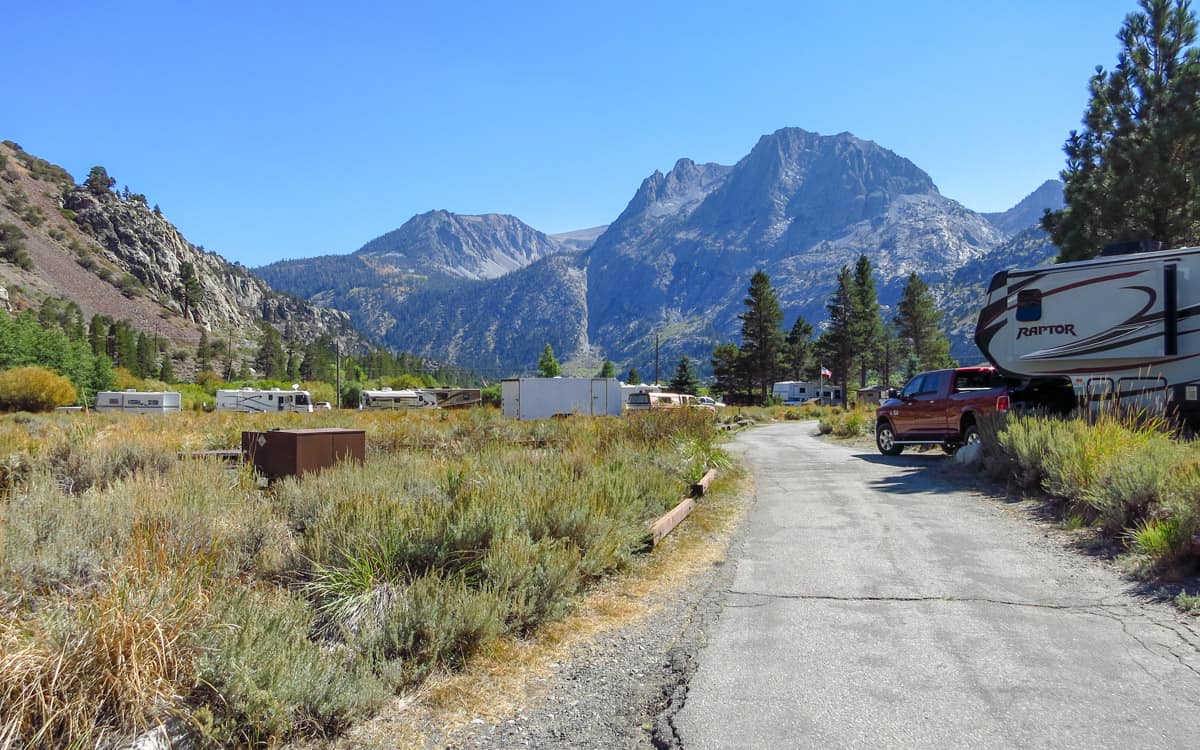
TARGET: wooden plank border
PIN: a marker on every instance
(700, 488)
(670, 520)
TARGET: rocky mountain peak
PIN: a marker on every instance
(1028, 212)
(463, 246)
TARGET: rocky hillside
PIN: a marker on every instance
(115, 255)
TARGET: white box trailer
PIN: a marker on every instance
(138, 402)
(1123, 328)
(258, 400)
(540, 398)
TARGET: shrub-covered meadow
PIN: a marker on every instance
(140, 585)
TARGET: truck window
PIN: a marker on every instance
(914, 386)
(977, 380)
(1029, 304)
(639, 398)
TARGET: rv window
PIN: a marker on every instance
(639, 398)
(1029, 304)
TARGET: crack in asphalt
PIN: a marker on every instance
(1097, 609)
(967, 599)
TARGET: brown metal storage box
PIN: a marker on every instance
(285, 453)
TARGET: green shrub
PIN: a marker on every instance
(12, 246)
(34, 389)
(263, 680)
(435, 622)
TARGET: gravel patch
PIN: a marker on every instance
(619, 690)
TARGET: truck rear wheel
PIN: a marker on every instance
(970, 435)
(885, 439)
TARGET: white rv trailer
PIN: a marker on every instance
(455, 398)
(133, 401)
(403, 398)
(796, 392)
(1123, 328)
(258, 400)
(540, 398)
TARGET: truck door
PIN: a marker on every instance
(906, 421)
(925, 407)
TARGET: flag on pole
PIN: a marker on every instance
(825, 373)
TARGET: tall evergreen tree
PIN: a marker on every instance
(202, 353)
(189, 289)
(762, 338)
(918, 326)
(728, 370)
(866, 325)
(633, 378)
(608, 369)
(1132, 171)
(836, 346)
(166, 370)
(799, 351)
(548, 366)
(270, 361)
(146, 364)
(685, 379)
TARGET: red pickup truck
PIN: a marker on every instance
(940, 408)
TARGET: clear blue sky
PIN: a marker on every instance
(284, 130)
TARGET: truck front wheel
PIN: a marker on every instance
(885, 439)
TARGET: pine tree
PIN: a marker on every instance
(762, 340)
(865, 324)
(633, 378)
(166, 371)
(189, 288)
(836, 347)
(271, 362)
(799, 350)
(147, 358)
(202, 352)
(918, 326)
(685, 379)
(548, 366)
(1131, 171)
(98, 181)
(728, 371)
(608, 369)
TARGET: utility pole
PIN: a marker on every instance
(656, 359)
(337, 365)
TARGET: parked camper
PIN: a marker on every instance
(629, 390)
(455, 398)
(138, 402)
(655, 400)
(796, 392)
(1121, 327)
(539, 398)
(404, 398)
(256, 400)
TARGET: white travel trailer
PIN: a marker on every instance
(257, 400)
(138, 402)
(539, 398)
(403, 398)
(1123, 328)
(796, 392)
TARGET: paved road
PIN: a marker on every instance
(874, 605)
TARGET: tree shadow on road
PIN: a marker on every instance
(920, 473)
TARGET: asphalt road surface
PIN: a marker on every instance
(875, 605)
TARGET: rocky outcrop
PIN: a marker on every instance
(143, 244)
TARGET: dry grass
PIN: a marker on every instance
(138, 585)
(116, 661)
(509, 673)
